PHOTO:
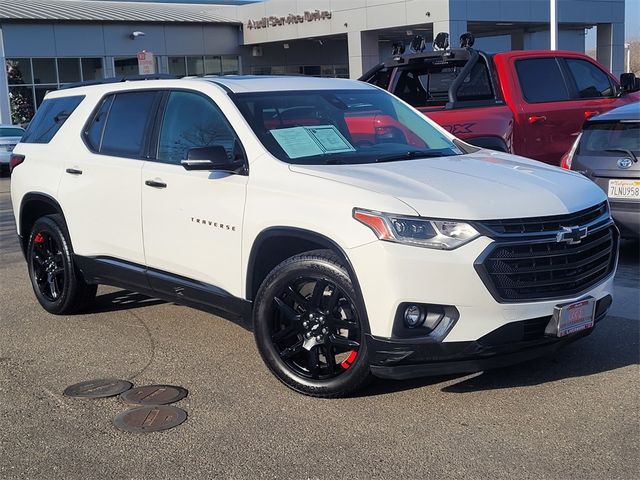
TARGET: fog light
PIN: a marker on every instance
(413, 316)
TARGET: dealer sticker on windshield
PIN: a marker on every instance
(571, 318)
(308, 141)
(627, 189)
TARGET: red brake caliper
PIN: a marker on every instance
(38, 238)
(349, 360)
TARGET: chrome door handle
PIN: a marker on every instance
(155, 184)
(74, 171)
(533, 119)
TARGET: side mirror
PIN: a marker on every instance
(629, 83)
(214, 157)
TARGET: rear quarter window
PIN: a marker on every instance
(50, 117)
(127, 123)
(541, 80)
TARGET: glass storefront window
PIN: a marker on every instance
(339, 71)
(69, 70)
(212, 66)
(19, 71)
(92, 69)
(41, 91)
(230, 65)
(195, 66)
(30, 79)
(177, 66)
(342, 71)
(125, 66)
(311, 70)
(44, 70)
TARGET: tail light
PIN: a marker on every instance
(567, 158)
(15, 160)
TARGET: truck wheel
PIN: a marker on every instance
(58, 285)
(308, 328)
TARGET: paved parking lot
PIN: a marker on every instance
(575, 415)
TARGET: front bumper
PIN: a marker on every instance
(509, 344)
(390, 274)
(627, 217)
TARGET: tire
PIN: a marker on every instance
(56, 281)
(308, 327)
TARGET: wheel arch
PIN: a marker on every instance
(491, 142)
(33, 206)
(275, 244)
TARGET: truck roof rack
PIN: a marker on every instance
(121, 78)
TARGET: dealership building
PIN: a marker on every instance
(45, 44)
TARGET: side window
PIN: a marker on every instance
(93, 133)
(477, 85)
(191, 121)
(381, 78)
(50, 117)
(126, 124)
(409, 88)
(541, 80)
(591, 82)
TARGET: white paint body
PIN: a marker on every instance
(109, 210)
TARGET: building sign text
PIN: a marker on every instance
(291, 19)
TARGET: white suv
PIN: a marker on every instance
(359, 236)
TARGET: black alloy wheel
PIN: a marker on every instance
(309, 328)
(57, 284)
(48, 266)
(316, 329)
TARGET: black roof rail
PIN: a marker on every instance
(121, 78)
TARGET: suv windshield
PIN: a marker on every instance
(341, 126)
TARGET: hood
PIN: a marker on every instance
(481, 186)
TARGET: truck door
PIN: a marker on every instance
(558, 95)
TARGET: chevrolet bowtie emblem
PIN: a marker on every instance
(571, 235)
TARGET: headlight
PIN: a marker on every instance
(423, 232)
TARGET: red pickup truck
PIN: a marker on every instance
(532, 103)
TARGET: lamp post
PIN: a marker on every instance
(553, 20)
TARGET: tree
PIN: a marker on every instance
(20, 98)
(634, 46)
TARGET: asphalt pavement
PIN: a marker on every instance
(571, 416)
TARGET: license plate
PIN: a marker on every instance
(627, 189)
(572, 318)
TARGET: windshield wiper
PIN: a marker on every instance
(629, 153)
(410, 155)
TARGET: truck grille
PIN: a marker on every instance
(538, 267)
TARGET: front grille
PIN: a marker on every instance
(545, 225)
(544, 268)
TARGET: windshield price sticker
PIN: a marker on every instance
(309, 141)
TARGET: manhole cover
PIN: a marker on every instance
(153, 395)
(152, 418)
(104, 387)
